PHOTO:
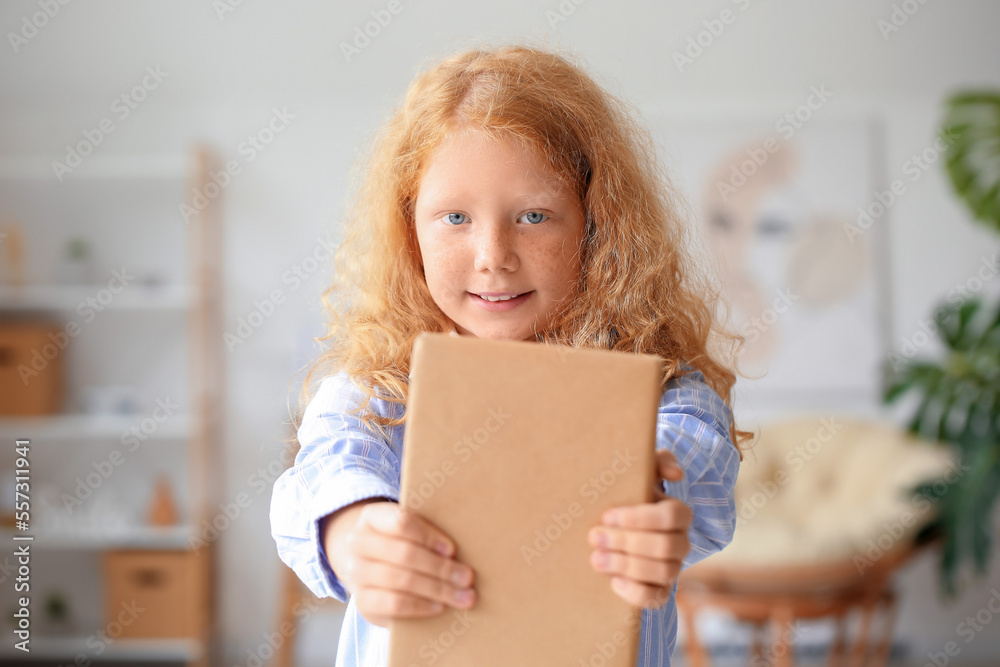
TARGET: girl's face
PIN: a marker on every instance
(492, 219)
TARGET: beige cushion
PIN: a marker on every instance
(818, 489)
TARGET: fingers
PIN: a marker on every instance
(643, 548)
(637, 568)
(667, 466)
(379, 606)
(668, 514)
(401, 552)
(655, 545)
(639, 594)
(402, 566)
(379, 576)
(390, 519)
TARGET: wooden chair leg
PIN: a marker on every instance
(696, 654)
(285, 655)
(837, 650)
(888, 604)
(782, 649)
(859, 657)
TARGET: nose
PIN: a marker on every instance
(495, 246)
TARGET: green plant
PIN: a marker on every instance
(973, 157)
(960, 405)
(960, 394)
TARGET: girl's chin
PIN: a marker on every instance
(496, 333)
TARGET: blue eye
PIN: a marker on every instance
(535, 221)
(451, 221)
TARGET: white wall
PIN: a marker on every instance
(226, 74)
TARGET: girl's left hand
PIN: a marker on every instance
(643, 546)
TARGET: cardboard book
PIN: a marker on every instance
(515, 449)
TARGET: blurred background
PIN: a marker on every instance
(171, 179)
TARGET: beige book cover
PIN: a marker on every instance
(515, 449)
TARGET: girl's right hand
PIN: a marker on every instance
(399, 565)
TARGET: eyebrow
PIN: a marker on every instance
(437, 198)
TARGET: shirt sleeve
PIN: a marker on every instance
(693, 422)
(338, 464)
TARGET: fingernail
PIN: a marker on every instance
(458, 577)
(601, 559)
(436, 606)
(443, 548)
(463, 596)
(611, 518)
(600, 538)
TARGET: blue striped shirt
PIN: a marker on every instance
(339, 464)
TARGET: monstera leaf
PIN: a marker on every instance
(960, 404)
(973, 156)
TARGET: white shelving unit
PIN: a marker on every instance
(66, 442)
(47, 298)
(138, 537)
(82, 426)
(121, 651)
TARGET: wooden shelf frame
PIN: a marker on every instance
(200, 300)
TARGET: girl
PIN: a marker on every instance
(510, 197)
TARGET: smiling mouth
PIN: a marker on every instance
(494, 299)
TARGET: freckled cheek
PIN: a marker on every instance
(560, 265)
(446, 272)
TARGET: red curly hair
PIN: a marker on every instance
(640, 288)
